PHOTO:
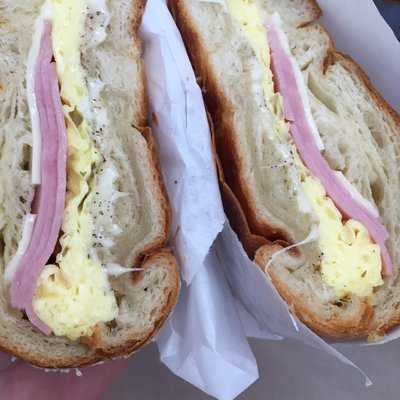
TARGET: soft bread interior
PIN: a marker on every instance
(145, 301)
(362, 139)
(361, 136)
(140, 210)
(244, 122)
(120, 142)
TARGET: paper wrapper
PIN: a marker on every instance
(224, 295)
(204, 342)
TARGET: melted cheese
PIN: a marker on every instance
(74, 295)
(350, 261)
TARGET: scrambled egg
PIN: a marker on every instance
(74, 295)
(248, 15)
(350, 261)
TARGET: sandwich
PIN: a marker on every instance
(309, 155)
(86, 273)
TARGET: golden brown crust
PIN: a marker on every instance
(140, 119)
(151, 254)
(332, 57)
(380, 328)
(233, 208)
(222, 113)
(167, 258)
(162, 238)
(253, 229)
(347, 62)
(336, 327)
(315, 14)
(129, 346)
(140, 122)
(367, 324)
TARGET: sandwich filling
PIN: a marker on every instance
(73, 295)
(48, 205)
(351, 236)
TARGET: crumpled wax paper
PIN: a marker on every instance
(181, 131)
(224, 295)
(195, 341)
(203, 341)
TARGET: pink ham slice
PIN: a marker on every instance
(50, 195)
(287, 85)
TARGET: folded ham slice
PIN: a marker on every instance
(287, 84)
(48, 205)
